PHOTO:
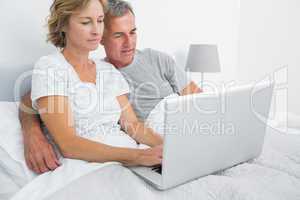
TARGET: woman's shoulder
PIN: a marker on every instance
(53, 60)
(102, 65)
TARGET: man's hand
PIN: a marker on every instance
(191, 88)
(39, 154)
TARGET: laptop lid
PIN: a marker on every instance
(205, 133)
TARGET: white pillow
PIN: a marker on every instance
(155, 119)
(286, 120)
(11, 145)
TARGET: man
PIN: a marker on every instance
(152, 75)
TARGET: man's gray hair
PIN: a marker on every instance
(118, 8)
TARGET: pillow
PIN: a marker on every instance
(286, 120)
(11, 145)
(155, 119)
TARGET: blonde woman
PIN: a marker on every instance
(83, 102)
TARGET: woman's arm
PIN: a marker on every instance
(56, 113)
(134, 128)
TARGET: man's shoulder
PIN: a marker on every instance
(152, 53)
(155, 56)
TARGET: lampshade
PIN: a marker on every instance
(203, 58)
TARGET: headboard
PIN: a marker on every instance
(14, 82)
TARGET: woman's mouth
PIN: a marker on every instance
(96, 40)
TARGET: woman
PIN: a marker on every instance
(82, 102)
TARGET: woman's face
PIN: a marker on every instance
(85, 28)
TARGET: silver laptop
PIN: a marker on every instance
(206, 133)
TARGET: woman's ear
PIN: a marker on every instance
(64, 29)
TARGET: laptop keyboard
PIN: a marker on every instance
(157, 168)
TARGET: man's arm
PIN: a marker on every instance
(39, 154)
(178, 79)
(191, 88)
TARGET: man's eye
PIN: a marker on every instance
(100, 21)
(85, 23)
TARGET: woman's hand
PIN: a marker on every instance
(151, 156)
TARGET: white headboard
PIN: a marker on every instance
(15, 81)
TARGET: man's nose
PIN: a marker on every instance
(128, 41)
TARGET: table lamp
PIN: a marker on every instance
(203, 58)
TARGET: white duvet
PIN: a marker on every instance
(274, 175)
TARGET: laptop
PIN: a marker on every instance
(208, 132)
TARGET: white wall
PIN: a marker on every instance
(168, 25)
(269, 40)
(23, 31)
(171, 25)
(254, 37)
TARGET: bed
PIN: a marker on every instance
(275, 174)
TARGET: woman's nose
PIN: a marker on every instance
(96, 28)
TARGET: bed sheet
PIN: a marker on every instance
(8, 186)
(275, 174)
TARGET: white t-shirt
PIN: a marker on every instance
(95, 109)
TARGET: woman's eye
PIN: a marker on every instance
(85, 23)
(100, 21)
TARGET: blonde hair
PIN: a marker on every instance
(60, 12)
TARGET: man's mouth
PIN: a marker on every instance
(127, 51)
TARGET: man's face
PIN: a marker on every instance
(119, 40)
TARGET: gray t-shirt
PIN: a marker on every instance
(152, 76)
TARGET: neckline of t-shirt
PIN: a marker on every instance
(137, 52)
(74, 71)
